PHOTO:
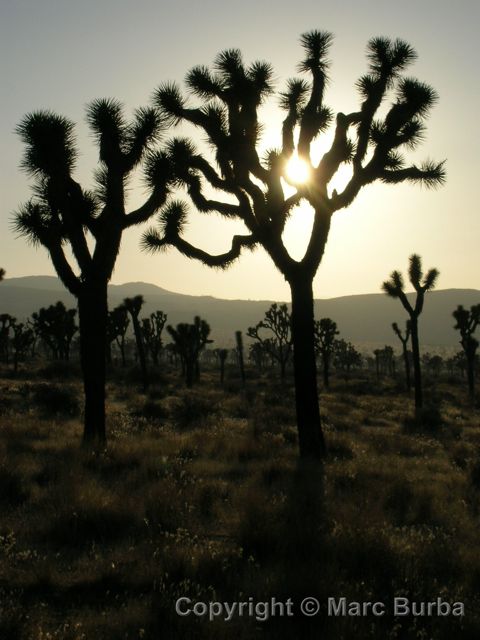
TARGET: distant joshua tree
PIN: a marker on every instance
(395, 289)
(90, 223)
(22, 340)
(6, 323)
(189, 340)
(231, 96)
(325, 332)
(2, 274)
(404, 339)
(55, 326)
(346, 356)
(467, 323)
(152, 329)
(117, 325)
(134, 306)
(221, 355)
(278, 322)
(240, 355)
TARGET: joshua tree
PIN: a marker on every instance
(189, 341)
(395, 288)
(325, 332)
(117, 325)
(6, 323)
(90, 223)
(222, 355)
(134, 306)
(467, 323)
(152, 328)
(231, 96)
(278, 321)
(404, 340)
(346, 356)
(22, 340)
(55, 325)
(239, 353)
(2, 274)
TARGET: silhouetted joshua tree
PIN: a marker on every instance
(117, 325)
(467, 323)
(221, 355)
(346, 356)
(189, 340)
(395, 289)
(325, 332)
(240, 355)
(23, 337)
(6, 323)
(90, 223)
(278, 321)
(152, 329)
(2, 274)
(404, 340)
(231, 96)
(134, 306)
(55, 326)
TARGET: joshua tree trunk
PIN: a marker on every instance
(310, 435)
(241, 364)
(407, 365)
(417, 374)
(93, 311)
(189, 372)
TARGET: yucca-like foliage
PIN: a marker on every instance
(223, 102)
(325, 331)
(466, 322)
(64, 215)
(61, 211)
(189, 340)
(394, 287)
(277, 341)
(231, 92)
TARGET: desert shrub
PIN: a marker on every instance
(13, 491)
(6, 405)
(475, 475)
(54, 399)
(79, 527)
(59, 370)
(152, 410)
(193, 409)
(340, 451)
(428, 420)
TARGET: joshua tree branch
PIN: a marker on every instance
(62, 267)
(152, 241)
(143, 213)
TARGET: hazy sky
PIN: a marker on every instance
(60, 55)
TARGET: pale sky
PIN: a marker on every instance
(59, 55)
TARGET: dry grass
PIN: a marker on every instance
(199, 495)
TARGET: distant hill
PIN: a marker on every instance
(363, 319)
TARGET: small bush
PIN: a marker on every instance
(153, 410)
(13, 492)
(59, 370)
(427, 420)
(54, 399)
(193, 409)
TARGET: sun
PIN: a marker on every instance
(298, 171)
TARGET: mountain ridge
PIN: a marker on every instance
(361, 318)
